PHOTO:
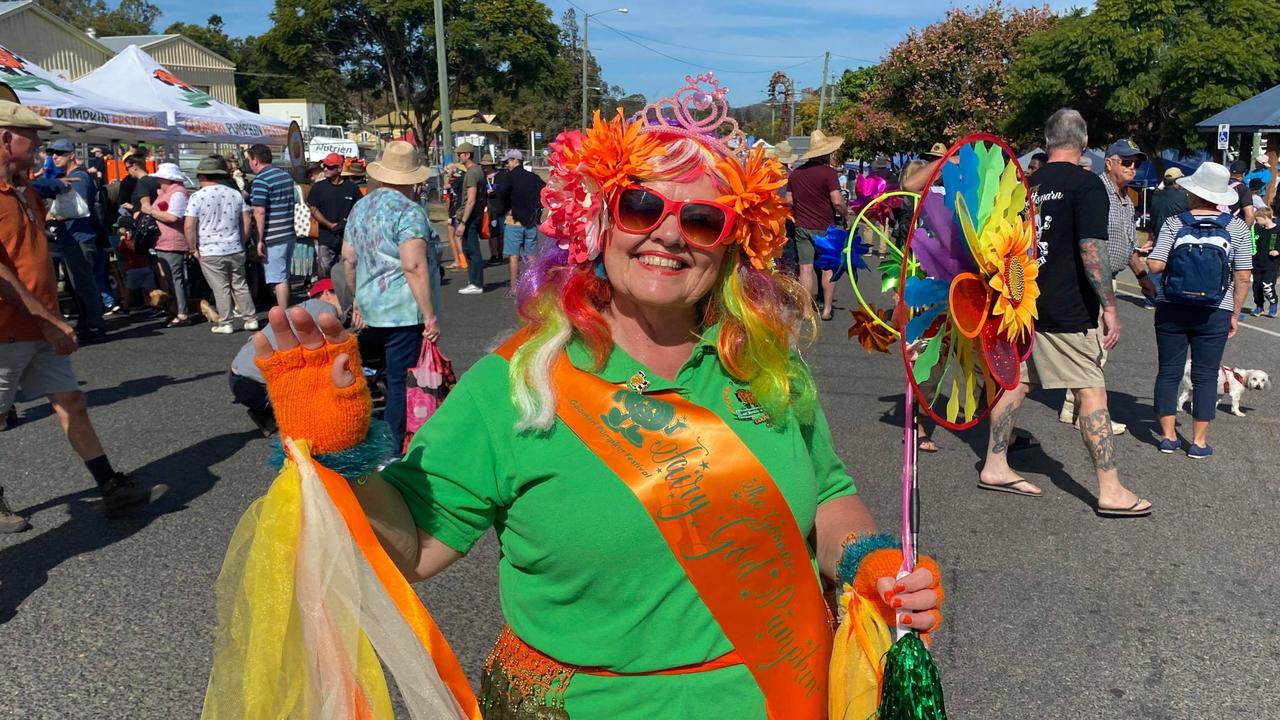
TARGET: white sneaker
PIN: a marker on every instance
(251, 324)
(223, 329)
(1118, 428)
(471, 290)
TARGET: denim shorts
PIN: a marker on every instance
(519, 240)
(278, 258)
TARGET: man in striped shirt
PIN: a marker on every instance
(273, 197)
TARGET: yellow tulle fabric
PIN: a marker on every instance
(857, 660)
(305, 626)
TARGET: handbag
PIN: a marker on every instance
(68, 205)
(302, 219)
(427, 385)
(485, 230)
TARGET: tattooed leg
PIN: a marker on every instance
(1095, 429)
(996, 470)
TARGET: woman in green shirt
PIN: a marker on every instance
(648, 448)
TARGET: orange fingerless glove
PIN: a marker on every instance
(885, 562)
(306, 403)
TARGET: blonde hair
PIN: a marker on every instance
(1264, 212)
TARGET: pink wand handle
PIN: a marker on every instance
(908, 475)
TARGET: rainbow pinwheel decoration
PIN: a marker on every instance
(967, 309)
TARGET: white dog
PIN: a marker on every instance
(1231, 382)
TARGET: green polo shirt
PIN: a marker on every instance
(584, 575)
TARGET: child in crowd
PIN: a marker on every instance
(1266, 262)
(139, 277)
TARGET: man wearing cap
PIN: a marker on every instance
(248, 387)
(78, 241)
(469, 219)
(1167, 202)
(387, 255)
(273, 197)
(519, 195)
(35, 342)
(815, 202)
(331, 200)
(215, 223)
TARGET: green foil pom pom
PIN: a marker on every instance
(912, 690)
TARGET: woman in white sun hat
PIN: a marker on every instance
(169, 211)
(1204, 255)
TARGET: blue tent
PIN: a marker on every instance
(1147, 177)
(1260, 113)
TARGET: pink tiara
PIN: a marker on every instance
(675, 115)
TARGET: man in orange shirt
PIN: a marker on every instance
(35, 342)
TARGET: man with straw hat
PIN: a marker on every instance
(815, 202)
(35, 342)
(495, 229)
(396, 282)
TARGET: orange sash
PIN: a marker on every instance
(725, 521)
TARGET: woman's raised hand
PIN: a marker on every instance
(315, 380)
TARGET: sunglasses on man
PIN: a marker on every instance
(332, 167)
(1129, 162)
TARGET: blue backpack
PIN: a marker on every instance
(1198, 271)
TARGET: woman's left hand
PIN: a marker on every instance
(914, 596)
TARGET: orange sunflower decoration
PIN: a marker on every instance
(753, 195)
(1013, 277)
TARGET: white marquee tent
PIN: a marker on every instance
(193, 116)
(79, 113)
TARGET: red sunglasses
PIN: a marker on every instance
(703, 223)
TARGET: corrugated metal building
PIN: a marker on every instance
(59, 47)
(199, 66)
(49, 41)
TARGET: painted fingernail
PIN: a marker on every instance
(906, 620)
(888, 597)
(899, 587)
(897, 602)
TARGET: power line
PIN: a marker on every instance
(704, 66)
(629, 38)
(856, 59)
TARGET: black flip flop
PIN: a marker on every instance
(1009, 487)
(1131, 511)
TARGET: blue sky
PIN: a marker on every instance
(713, 32)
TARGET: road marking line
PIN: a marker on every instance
(1242, 323)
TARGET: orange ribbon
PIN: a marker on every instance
(399, 590)
(725, 521)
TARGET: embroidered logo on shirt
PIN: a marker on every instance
(638, 382)
(749, 410)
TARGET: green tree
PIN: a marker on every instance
(211, 35)
(1147, 69)
(941, 82)
(128, 17)
(496, 47)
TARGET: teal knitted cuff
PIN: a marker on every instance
(851, 556)
(377, 450)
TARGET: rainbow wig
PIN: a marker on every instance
(763, 314)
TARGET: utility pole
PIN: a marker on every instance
(442, 76)
(822, 92)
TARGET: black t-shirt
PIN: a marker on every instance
(147, 187)
(1071, 204)
(1244, 199)
(334, 202)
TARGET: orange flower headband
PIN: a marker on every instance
(588, 168)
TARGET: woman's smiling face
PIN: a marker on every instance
(659, 269)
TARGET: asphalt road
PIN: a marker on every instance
(1051, 612)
